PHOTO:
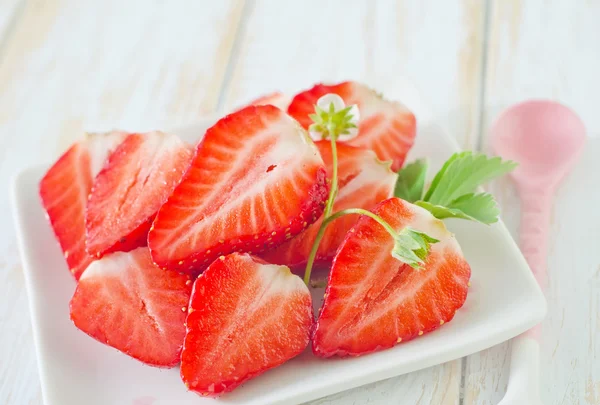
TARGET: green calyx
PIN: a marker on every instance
(331, 123)
(412, 247)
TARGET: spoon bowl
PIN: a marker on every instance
(543, 136)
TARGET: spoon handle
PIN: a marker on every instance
(536, 207)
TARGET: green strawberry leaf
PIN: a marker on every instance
(480, 207)
(462, 174)
(411, 181)
(475, 207)
(439, 175)
(452, 191)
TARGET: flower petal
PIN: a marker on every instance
(355, 114)
(331, 98)
(315, 135)
(352, 133)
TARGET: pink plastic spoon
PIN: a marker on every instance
(545, 138)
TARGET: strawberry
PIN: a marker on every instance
(363, 181)
(245, 317)
(136, 180)
(125, 301)
(386, 127)
(373, 301)
(276, 98)
(256, 180)
(64, 191)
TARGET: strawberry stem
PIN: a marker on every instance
(334, 179)
(313, 253)
(368, 213)
(327, 220)
(410, 247)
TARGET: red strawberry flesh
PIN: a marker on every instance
(137, 179)
(256, 180)
(246, 316)
(373, 301)
(125, 301)
(363, 181)
(64, 191)
(388, 128)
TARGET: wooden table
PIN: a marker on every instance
(140, 64)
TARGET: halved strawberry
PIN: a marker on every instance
(64, 191)
(256, 180)
(276, 98)
(386, 127)
(136, 180)
(125, 301)
(373, 301)
(363, 181)
(245, 317)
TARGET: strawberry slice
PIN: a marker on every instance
(363, 181)
(138, 178)
(386, 127)
(245, 317)
(64, 191)
(256, 180)
(373, 301)
(125, 301)
(276, 98)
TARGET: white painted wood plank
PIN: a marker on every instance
(550, 50)
(8, 13)
(71, 65)
(435, 385)
(570, 352)
(289, 46)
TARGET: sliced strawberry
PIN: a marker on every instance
(277, 99)
(386, 127)
(64, 191)
(374, 301)
(245, 317)
(137, 179)
(125, 301)
(256, 180)
(363, 181)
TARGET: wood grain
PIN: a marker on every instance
(8, 15)
(549, 49)
(436, 385)
(70, 65)
(289, 46)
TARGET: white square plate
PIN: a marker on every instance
(504, 300)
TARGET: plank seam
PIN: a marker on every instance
(234, 54)
(7, 34)
(483, 74)
(478, 144)
(463, 376)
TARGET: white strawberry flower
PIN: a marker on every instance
(331, 98)
(333, 118)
